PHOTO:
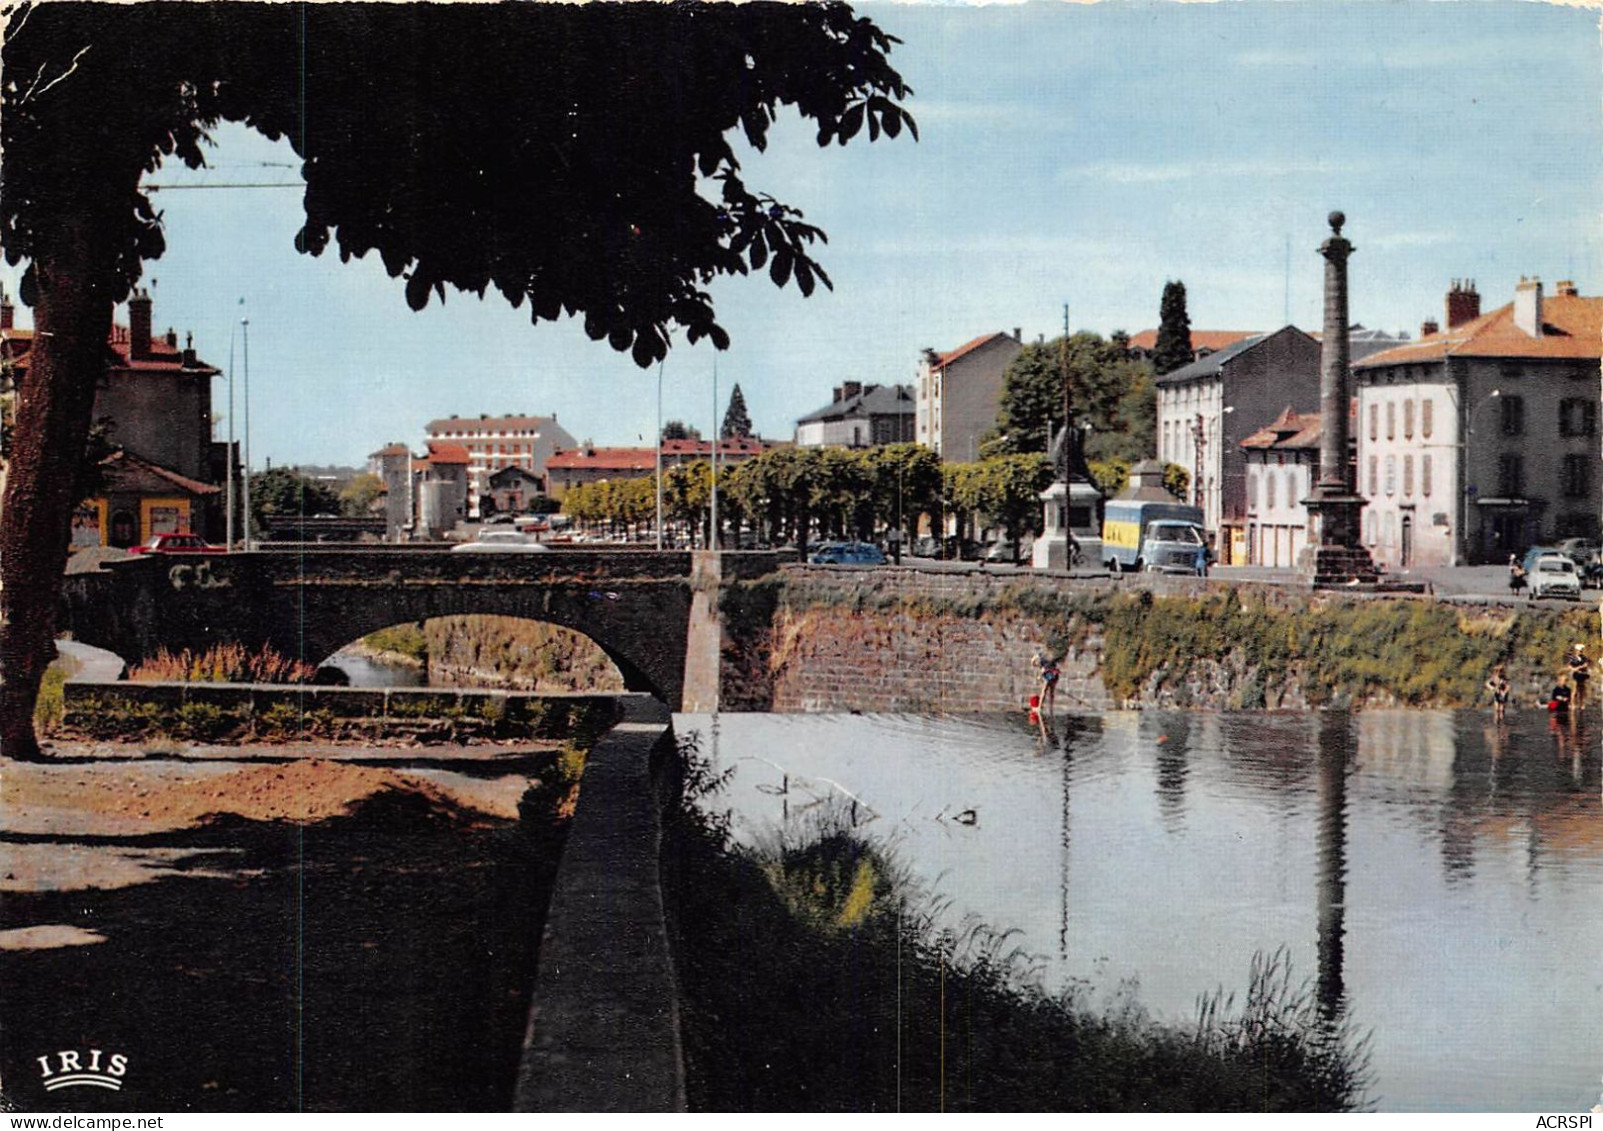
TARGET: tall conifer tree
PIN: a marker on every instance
(737, 422)
(1173, 348)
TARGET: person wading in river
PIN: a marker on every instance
(1049, 683)
(1580, 669)
(1499, 686)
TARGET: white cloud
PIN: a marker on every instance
(1276, 58)
(1395, 240)
(1134, 173)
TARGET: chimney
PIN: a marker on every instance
(1428, 327)
(1463, 303)
(189, 347)
(850, 389)
(1566, 288)
(139, 324)
(1528, 306)
(839, 396)
(172, 338)
(8, 313)
(1018, 334)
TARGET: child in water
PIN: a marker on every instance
(1558, 700)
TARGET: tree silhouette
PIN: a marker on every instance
(679, 430)
(737, 421)
(1173, 347)
(571, 157)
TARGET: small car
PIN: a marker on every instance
(501, 542)
(1554, 575)
(177, 544)
(1004, 553)
(848, 553)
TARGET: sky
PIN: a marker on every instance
(1073, 155)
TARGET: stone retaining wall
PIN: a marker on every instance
(963, 640)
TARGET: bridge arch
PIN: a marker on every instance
(634, 605)
(623, 669)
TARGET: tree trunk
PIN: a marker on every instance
(72, 318)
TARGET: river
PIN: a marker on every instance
(367, 671)
(1438, 878)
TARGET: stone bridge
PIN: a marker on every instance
(637, 605)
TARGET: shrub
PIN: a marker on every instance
(223, 663)
(48, 709)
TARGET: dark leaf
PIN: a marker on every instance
(779, 270)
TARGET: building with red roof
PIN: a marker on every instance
(495, 443)
(1203, 342)
(959, 392)
(155, 403)
(1479, 439)
(1282, 465)
(589, 464)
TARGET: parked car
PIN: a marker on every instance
(957, 549)
(177, 544)
(1004, 552)
(1554, 575)
(1584, 553)
(501, 542)
(848, 553)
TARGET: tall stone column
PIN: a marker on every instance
(1334, 365)
(1335, 554)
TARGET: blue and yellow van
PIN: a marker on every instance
(1148, 534)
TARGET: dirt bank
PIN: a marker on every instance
(269, 932)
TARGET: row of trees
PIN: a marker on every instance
(797, 494)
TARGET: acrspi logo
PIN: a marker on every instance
(71, 1068)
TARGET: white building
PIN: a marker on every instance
(860, 416)
(1480, 440)
(497, 442)
(1282, 465)
(1205, 408)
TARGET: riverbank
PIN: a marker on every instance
(954, 642)
(817, 978)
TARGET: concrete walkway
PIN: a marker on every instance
(604, 1020)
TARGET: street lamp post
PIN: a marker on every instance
(660, 364)
(245, 336)
(712, 521)
(228, 521)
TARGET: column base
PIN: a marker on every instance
(1337, 566)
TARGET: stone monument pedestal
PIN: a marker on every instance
(1069, 508)
(1335, 555)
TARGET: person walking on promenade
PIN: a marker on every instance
(1516, 575)
(1499, 686)
(1580, 669)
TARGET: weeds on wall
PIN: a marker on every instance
(816, 977)
(1337, 651)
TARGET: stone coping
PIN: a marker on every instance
(603, 1031)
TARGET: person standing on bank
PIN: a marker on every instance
(1516, 575)
(1580, 669)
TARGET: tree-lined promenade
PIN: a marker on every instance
(797, 495)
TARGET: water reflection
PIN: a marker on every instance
(1437, 879)
(1333, 760)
